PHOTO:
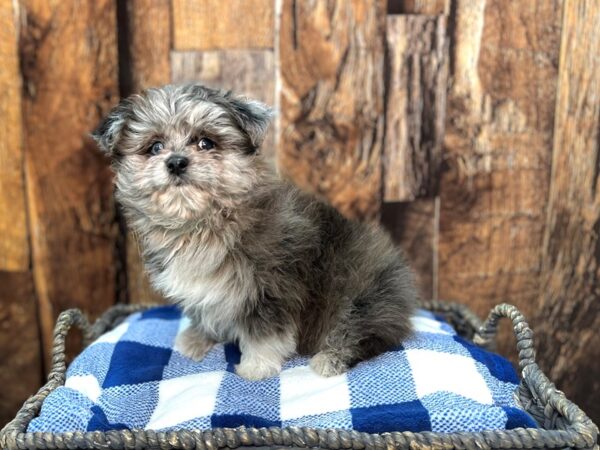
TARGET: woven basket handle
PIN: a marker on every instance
(487, 332)
(536, 393)
(66, 320)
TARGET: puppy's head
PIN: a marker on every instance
(182, 153)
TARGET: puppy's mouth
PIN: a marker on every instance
(177, 202)
(179, 181)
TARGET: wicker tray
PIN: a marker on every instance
(562, 423)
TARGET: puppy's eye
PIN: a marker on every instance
(206, 144)
(155, 148)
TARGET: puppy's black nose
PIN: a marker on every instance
(177, 164)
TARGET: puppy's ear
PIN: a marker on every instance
(107, 133)
(253, 117)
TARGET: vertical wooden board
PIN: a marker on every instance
(415, 106)
(69, 63)
(246, 72)
(14, 247)
(148, 44)
(568, 319)
(219, 25)
(21, 362)
(332, 88)
(413, 227)
(20, 365)
(498, 137)
(145, 62)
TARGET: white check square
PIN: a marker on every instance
(435, 372)
(85, 384)
(427, 325)
(185, 398)
(113, 336)
(304, 393)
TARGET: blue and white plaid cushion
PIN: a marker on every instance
(132, 377)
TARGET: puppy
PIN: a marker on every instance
(249, 257)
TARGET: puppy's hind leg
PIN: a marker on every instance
(339, 351)
(343, 350)
(377, 320)
(361, 334)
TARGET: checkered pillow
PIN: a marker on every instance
(133, 377)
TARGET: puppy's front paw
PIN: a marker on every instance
(255, 371)
(328, 364)
(193, 344)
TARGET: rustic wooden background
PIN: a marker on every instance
(470, 128)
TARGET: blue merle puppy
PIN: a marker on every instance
(249, 257)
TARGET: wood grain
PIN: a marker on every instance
(246, 72)
(145, 62)
(568, 318)
(69, 63)
(415, 106)
(220, 25)
(147, 46)
(14, 246)
(21, 363)
(497, 152)
(413, 227)
(332, 69)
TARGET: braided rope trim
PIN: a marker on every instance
(566, 425)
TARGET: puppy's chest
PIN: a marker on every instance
(208, 283)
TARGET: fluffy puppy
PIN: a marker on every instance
(249, 257)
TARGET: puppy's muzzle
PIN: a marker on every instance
(177, 164)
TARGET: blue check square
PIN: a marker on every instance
(134, 363)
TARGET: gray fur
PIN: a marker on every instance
(249, 257)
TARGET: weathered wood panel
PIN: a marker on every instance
(14, 247)
(415, 106)
(413, 226)
(568, 319)
(498, 138)
(144, 50)
(21, 362)
(417, 64)
(69, 63)
(332, 69)
(146, 45)
(220, 25)
(247, 72)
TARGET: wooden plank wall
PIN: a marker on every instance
(469, 128)
(71, 210)
(332, 101)
(497, 149)
(417, 73)
(567, 319)
(20, 344)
